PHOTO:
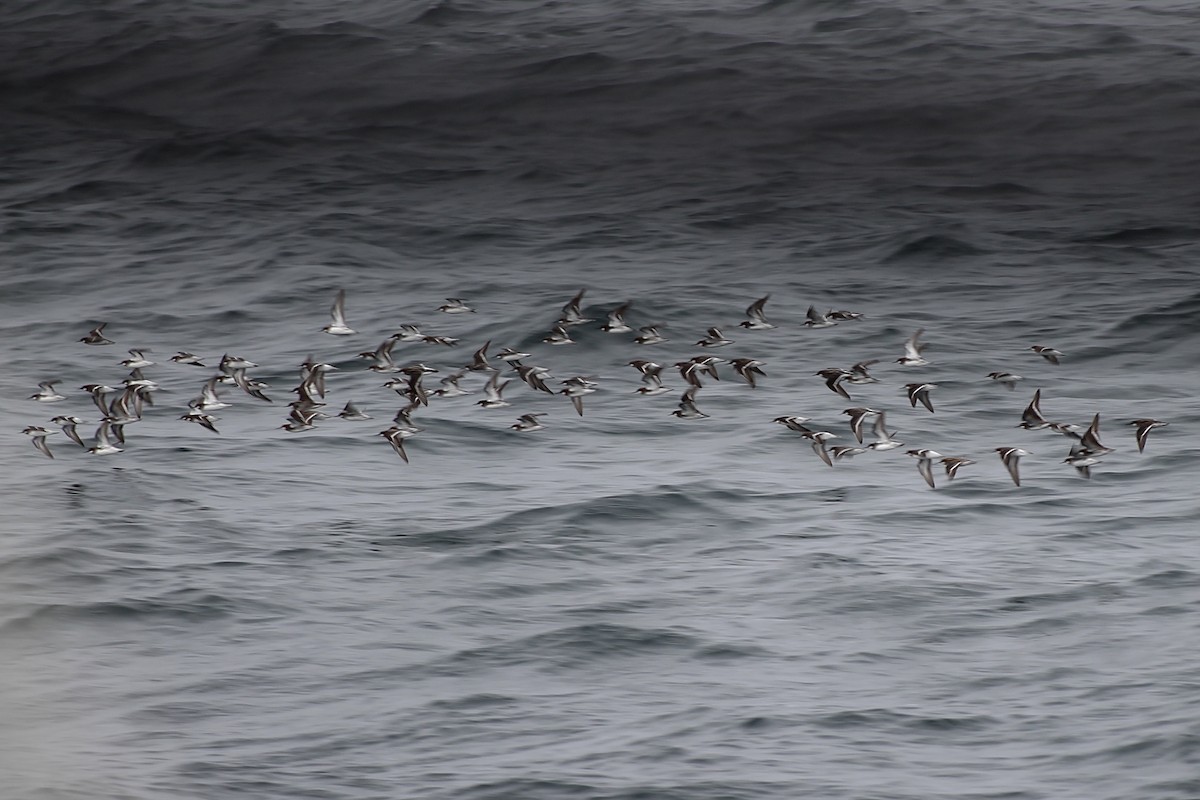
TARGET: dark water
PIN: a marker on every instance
(626, 604)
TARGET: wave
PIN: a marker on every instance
(184, 605)
(557, 789)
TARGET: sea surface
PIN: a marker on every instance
(624, 605)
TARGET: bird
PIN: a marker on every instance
(68, 424)
(572, 314)
(479, 362)
(558, 336)
(1068, 429)
(137, 360)
(793, 423)
(229, 363)
(403, 418)
(912, 351)
(1048, 353)
(1011, 456)
(396, 436)
(649, 335)
(816, 319)
(692, 369)
(687, 405)
(528, 422)
(859, 373)
(534, 377)
(409, 333)
(857, 415)
(254, 388)
(104, 445)
(925, 459)
(208, 399)
(953, 464)
(1031, 417)
(920, 391)
(337, 312)
(833, 380)
(99, 391)
(183, 357)
(747, 368)
(353, 412)
(576, 388)
(818, 439)
(382, 355)
(449, 386)
(47, 393)
(96, 336)
(455, 305)
(1006, 379)
(200, 418)
(651, 377)
(1144, 426)
(883, 439)
(714, 338)
(39, 434)
(1090, 440)
(300, 420)
(756, 320)
(616, 319)
(845, 451)
(510, 355)
(493, 390)
(1082, 463)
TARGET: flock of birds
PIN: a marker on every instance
(121, 406)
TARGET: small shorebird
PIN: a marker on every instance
(68, 424)
(353, 412)
(456, 305)
(572, 313)
(1048, 353)
(912, 351)
(183, 357)
(396, 436)
(920, 391)
(47, 393)
(756, 319)
(1031, 417)
(649, 335)
(200, 418)
(1006, 379)
(39, 434)
(337, 312)
(857, 415)
(925, 459)
(747, 368)
(815, 319)
(1144, 426)
(954, 464)
(528, 422)
(558, 336)
(492, 393)
(687, 406)
(96, 336)
(818, 439)
(714, 338)
(883, 439)
(616, 319)
(1011, 456)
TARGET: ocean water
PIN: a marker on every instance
(624, 604)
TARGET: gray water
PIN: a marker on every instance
(625, 604)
